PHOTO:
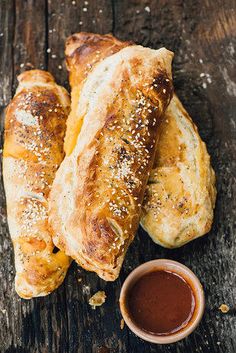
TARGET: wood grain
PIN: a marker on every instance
(6, 49)
(202, 35)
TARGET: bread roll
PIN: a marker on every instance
(180, 196)
(96, 198)
(83, 52)
(33, 149)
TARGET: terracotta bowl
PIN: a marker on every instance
(188, 275)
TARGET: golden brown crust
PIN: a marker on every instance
(83, 52)
(180, 196)
(103, 177)
(33, 149)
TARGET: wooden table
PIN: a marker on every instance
(202, 35)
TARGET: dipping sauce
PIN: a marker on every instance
(161, 302)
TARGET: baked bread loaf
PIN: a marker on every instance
(181, 193)
(33, 149)
(95, 201)
(180, 196)
(83, 51)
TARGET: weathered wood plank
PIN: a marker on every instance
(30, 38)
(24, 36)
(69, 17)
(6, 50)
(201, 35)
(6, 258)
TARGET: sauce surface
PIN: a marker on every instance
(161, 302)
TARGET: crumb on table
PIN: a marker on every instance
(224, 308)
(97, 299)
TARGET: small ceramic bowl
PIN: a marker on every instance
(181, 270)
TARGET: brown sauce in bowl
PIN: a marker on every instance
(161, 302)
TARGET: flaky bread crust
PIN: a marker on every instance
(181, 193)
(96, 197)
(35, 125)
(180, 196)
(83, 52)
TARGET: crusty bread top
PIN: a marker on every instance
(83, 52)
(180, 195)
(33, 149)
(98, 190)
(35, 109)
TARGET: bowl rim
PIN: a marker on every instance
(183, 271)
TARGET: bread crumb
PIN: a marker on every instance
(122, 324)
(224, 308)
(97, 299)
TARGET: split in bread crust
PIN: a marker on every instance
(33, 150)
(117, 106)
